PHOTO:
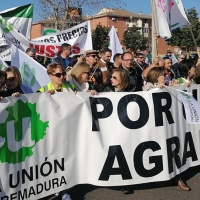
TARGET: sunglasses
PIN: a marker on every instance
(182, 58)
(88, 73)
(2, 83)
(94, 56)
(141, 57)
(114, 77)
(58, 75)
(11, 78)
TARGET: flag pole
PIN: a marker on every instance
(154, 32)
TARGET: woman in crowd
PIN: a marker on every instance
(187, 72)
(120, 82)
(80, 74)
(2, 84)
(14, 84)
(58, 82)
(155, 79)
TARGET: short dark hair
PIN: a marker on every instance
(185, 66)
(116, 56)
(31, 50)
(139, 54)
(104, 50)
(64, 46)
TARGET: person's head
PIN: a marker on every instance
(146, 52)
(140, 57)
(56, 73)
(187, 68)
(169, 53)
(156, 75)
(127, 60)
(66, 50)
(117, 59)
(13, 77)
(74, 60)
(138, 50)
(90, 57)
(181, 57)
(106, 54)
(31, 52)
(120, 79)
(168, 63)
(2, 80)
(81, 72)
(128, 49)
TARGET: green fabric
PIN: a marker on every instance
(22, 11)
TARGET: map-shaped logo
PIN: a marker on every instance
(28, 74)
(20, 132)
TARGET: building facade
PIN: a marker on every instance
(120, 19)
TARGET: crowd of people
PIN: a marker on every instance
(93, 72)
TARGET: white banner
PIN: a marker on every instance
(78, 36)
(2, 64)
(52, 142)
(114, 45)
(33, 73)
(192, 107)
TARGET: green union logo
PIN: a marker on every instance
(20, 132)
(28, 74)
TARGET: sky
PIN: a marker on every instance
(134, 6)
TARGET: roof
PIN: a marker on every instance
(120, 13)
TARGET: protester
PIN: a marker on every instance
(155, 79)
(95, 80)
(14, 85)
(104, 65)
(64, 59)
(58, 82)
(128, 65)
(120, 82)
(2, 84)
(117, 61)
(31, 52)
(74, 59)
(80, 74)
(187, 72)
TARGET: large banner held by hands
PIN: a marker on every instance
(33, 73)
(49, 46)
(150, 142)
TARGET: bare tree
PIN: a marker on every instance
(58, 10)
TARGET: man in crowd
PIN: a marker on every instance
(117, 60)
(140, 64)
(91, 57)
(64, 59)
(105, 65)
(31, 52)
(127, 64)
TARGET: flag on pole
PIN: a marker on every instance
(20, 18)
(169, 15)
(33, 73)
(178, 16)
(114, 45)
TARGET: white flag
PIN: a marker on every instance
(178, 16)
(192, 107)
(115, 45)
(20, 18)
(33, 73)
(169, 15)
(162, 18)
